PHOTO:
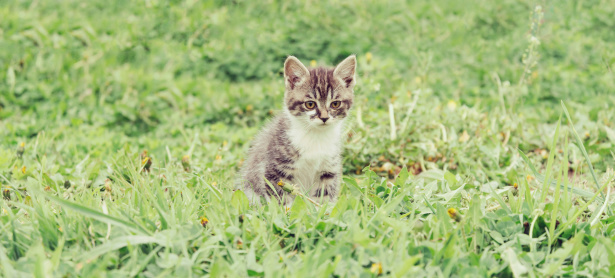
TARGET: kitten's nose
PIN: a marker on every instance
(324, 120)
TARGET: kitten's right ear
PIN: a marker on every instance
(295, 73)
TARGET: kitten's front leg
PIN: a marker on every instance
(278, 175)
(328, 185)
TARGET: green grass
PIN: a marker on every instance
(456, 108)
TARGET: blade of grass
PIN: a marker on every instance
(581, 210)
(545, 186)
(582, 148)
(5, 262)
(541, 178)
(555, 208)
(500, 201)
(56, 255)
(527, 193)
(349, 180)
(118, 243)
(565, 162)
(216, 192)
(561, 177)
(145, 262)
(597, 216)
(433, 210)
(98, 215)
(272, 188)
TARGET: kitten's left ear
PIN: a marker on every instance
(346, 70)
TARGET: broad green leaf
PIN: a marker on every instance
(518, 269)
(402, 177)
(240, 201)
(451, 180)
(298, 209)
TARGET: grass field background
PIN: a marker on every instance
(481, 143)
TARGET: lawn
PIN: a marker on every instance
(481, 141)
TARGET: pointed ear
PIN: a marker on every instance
(295, 73)
(345, 71)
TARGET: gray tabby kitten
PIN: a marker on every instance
(302, 145)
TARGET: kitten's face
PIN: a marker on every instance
(319, 97)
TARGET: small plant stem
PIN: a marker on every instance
(308, 198)
(392, 120)
(360, 117)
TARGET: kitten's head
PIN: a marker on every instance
(319, 97)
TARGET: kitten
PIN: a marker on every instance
(302, 145)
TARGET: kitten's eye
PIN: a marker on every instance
(336, 104)
(310, 104)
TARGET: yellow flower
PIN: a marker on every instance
(452, 105)
(464, 137)
(453, 214)
(23, 169)
(313, 63)
(544, 154)
(529, 178)
(146, 163)
(21, 149)
(368, 57)
(204, 221)
(108, 185)
(515, 185)
(376, 268)
(218, 157)
(186, 163)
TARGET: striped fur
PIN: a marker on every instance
(302, 145)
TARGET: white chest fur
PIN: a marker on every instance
(318, 148)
